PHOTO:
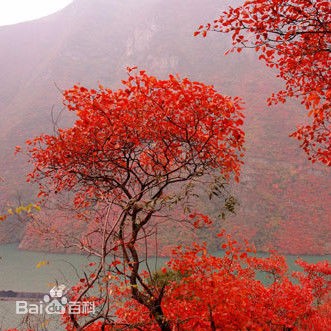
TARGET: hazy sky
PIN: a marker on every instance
(14, 11)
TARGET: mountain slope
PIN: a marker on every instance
(284, 199)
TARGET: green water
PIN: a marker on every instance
(19, 272)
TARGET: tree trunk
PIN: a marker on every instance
(160, 318)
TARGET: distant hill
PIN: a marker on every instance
(284, 198)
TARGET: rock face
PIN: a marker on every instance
(12, 295)
(284, 199)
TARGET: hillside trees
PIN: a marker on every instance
(21, 210)
(294, 37)
(131, 155)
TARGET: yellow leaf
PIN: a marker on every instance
(36, 207)
(42, 263)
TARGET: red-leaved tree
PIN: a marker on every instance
(130, 156)
(294, 37)
(204, 292)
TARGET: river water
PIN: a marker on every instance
(19, 271)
